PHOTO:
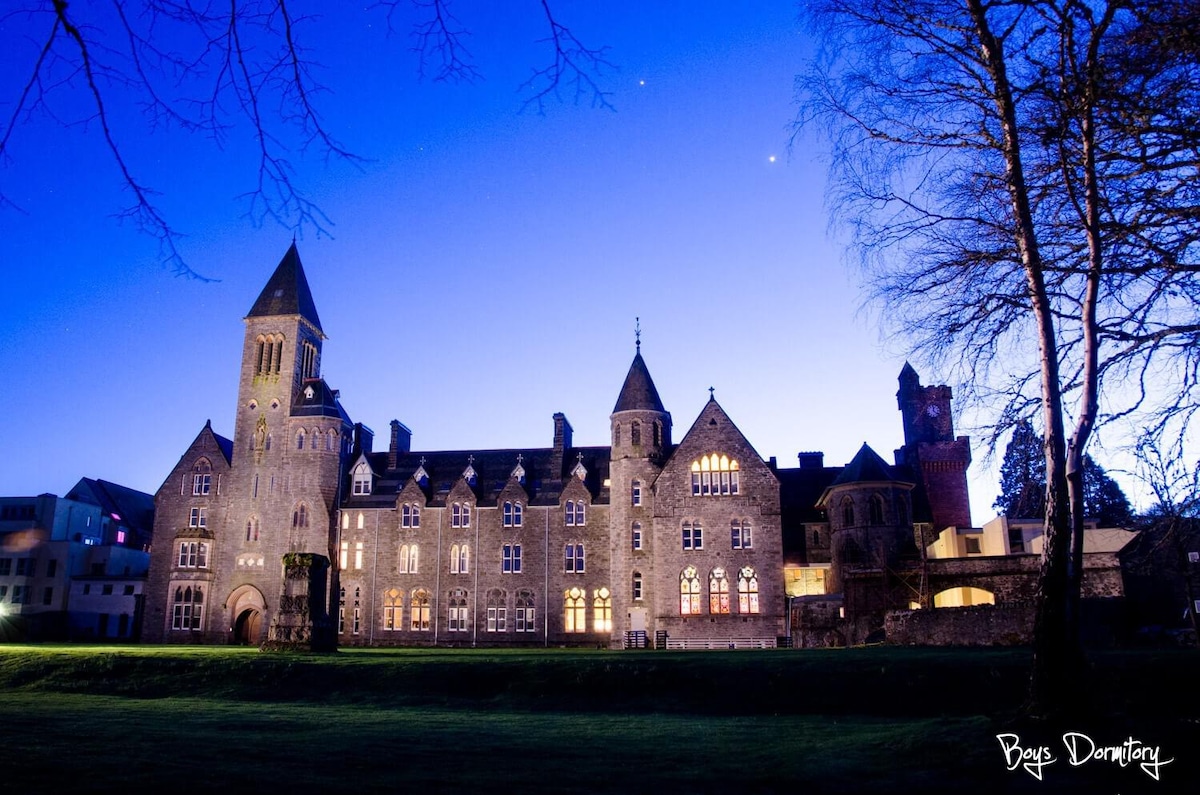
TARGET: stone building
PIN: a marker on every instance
(695, 543)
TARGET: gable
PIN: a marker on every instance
(714, 432)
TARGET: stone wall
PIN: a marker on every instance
(982, 625)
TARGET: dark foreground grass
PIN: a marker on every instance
(864, 720)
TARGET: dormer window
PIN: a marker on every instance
(361, 479)
(714, 475)
(512, 514)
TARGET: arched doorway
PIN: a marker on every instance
(247, 608)
(963, 597)
(248, 627)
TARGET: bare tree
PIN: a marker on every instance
(225, 65)
(997, 184)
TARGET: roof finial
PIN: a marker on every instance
(637, 333)
(710, 393)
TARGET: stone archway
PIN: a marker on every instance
(247, 608)
(963, 597)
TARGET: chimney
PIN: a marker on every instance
(401, 442)
(812, 460)
(562, 442)
(364, 438)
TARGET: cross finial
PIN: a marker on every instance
(422, 460)
(579, 457)
(710, 392)
(637, 333)
(471, 459)
(520, 457)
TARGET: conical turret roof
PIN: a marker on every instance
(866, 467)
(287, 292)
(638, 392)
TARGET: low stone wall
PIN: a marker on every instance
(981, 625)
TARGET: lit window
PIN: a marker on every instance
(714, 475)
(344, 558)
(636, 493)
(458, 610)
(693, 535)
(497, 611)
(193, 555)
(601, 610)
(188, 608)
(199, 518)
(575, 610)
(512, 514)
(358, 554)
(393, 610)
(637, 586)
(573, 559)
(525, 614)
(637, 535)
(512, 559)
(747, 591)
(689, 592)
(718, 592)
(201, 477)
(362, 479)
(739, 534)
(360, 520)
(420, 610)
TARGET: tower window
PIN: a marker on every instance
(875, 509)
(636, 493)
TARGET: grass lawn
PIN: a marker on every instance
(108, 719)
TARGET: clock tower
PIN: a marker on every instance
(937, 457)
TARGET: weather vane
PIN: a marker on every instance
(637, 332)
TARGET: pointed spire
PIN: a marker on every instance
(638, 392)
(287, 292)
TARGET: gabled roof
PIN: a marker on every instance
(287, 292)
(638, 392)
(323, 403)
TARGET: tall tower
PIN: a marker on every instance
(641, 439)
(938, 459)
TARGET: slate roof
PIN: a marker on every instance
(323, 403)
(638, 392)
(866, 467)
(493, 469)
(287, 292)
(131, 508)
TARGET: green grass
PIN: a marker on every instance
(108, 719)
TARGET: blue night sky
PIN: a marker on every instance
(484, 267)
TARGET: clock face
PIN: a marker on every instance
(933, 410)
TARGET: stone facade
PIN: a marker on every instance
(643, 541)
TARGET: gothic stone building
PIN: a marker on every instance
(645, 539)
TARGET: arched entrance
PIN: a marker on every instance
(963, 597)
(247, 609)
(247, 628)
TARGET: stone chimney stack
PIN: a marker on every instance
(562, 442)
(401, 442)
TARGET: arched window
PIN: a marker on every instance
(525, 612)
(747, 591)
(601, 610)
(314, 436)
(362, 478)
(689, 592)
(816, 538)
(460, 559)
(420, 610)
(576, 516)
(714, 475)
(637, 586)
(658, 434)
(902, 509)
(201, 477)
(575, 610)
(188, 608)
(460, 515)
(718, 592)
(330, 441)
(393, 607)
(573, 559)
(847, 512)
(259, 357)
(512, 514)
(497, 611)
(458, 610)
(637, 535)
(300, 439)
(635, 433)
(300, 516)
(252, 528)
(693, 535)
(616, 434)
(635, 493)
(409, 558)
(875, 509)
